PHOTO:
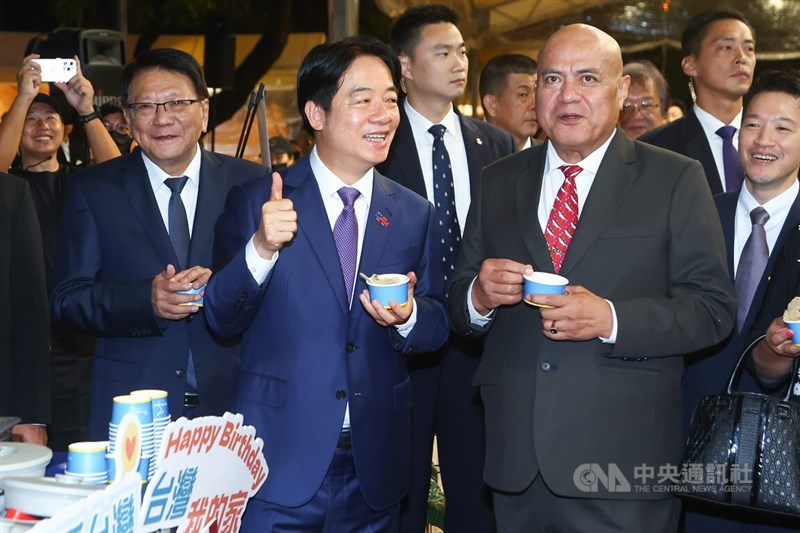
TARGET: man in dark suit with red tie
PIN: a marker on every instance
(588, 381)
(434, 65)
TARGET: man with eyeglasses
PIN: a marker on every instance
(645, 107)
(139, 229)
(117, 126)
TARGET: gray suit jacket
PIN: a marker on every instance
(649, 240)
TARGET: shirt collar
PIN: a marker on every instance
(157, 175)
(775, 207)
(421, 124)
(590, 164)
(329, 183)
(711, 124)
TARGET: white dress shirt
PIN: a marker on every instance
(164, 193)
(710, 125)
(454, 142)
(777, 208)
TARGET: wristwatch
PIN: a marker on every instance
(88, 118)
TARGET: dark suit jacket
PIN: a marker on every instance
(113, 243)
(686, 136)
(24, 317)
(483, 143)
(305, 355)
(708, 372)
(649, 240)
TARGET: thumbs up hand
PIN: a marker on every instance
(278, 221)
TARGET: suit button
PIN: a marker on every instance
(545, 366)
(351, 348)
(180, 373)
(190, 318)
(341, 394)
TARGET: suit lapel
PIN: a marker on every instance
(212, 189)
(477, 150)
(406, 157)
(608, 190)
(697, 147)
(527, 191)
(301, 187)
(136, 184)
(726, 208)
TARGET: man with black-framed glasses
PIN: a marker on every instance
(645, 108)
(138, 230)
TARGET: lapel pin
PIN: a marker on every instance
(382, 220)
(479, 140)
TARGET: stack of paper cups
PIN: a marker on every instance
(142, 407)
(87, 461)
(161, 418)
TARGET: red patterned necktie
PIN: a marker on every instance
(563, 218)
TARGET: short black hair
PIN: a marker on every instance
(778, 81)
(170, 60)
(494, 75)
(406, 29)
(697, 28)
(322, 70)
(108, 109)
(643, 70)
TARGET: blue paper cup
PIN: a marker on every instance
(144, 467)
(141, 406)
(158, 399)
(198, 303)
(389, 287)
(111, 465)
(87, 457)
(795, 327)
(543, 283)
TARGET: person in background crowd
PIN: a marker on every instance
(507, 94)
(718, 50)
(769, 147)
(24, 318)
(434, 65)
(35, 128)
(323, 375)
(280, 152)
(593, 375)
(645, 108)
(677, 109)
(117, 125)
(137, 230)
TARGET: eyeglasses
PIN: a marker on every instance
(646, 106)
(150, 109)
(119, 127)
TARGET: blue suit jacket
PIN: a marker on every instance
(686, 136)
(305, 354)
(113, 243)
(708, 372)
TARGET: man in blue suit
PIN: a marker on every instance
(718, 50)
(769, 147)
(434, 65)
(323, 374)
(129, 244)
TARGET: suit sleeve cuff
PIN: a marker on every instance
(475, 318)
(258, 266)
(613, 338)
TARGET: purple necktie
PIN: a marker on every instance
(752, 263)
(734, 175)
(345, 233)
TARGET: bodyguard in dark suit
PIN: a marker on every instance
(24, 317)
(129, 244)
(769, 145)
(434, 67)
(507, 93)
(719, 56)
(594, 380)
(323, 374)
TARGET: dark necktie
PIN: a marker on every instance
(444, 200)
(178, 223)
(734, 174)
(179, 235)
(752, 263)
(563, 217)
(345, 233)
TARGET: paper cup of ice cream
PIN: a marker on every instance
(388, 287)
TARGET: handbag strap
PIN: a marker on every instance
(737, 370)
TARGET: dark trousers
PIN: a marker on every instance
(71, 376)
(538, 510)
(338, 507)
(446, 404)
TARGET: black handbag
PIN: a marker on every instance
(744, 449)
